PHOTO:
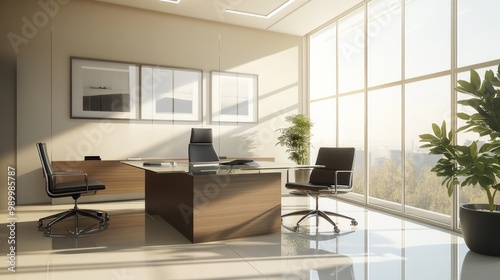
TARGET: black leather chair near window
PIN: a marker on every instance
(200, 147)
(77, 184)
(332, 179)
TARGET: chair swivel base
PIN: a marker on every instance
(100, 216)
(318, 213)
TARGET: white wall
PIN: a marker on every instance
(102, 31)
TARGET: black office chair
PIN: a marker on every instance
(200, 147)
(74, 189)
(334, 178)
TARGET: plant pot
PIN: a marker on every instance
(301, 175)
(481, 228)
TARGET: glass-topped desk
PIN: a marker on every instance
(166, 166)
(208, 203)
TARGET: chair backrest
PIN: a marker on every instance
(333, 159)
(46, 166)
(200, 147)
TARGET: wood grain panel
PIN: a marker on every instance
(236, 205)
(170, 196)
(118, 178)
(216, 207)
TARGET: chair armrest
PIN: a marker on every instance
(336, 176)
(68, 173)
(71, 173)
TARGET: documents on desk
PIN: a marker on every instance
(236, 162)
(204, 164)
(160, 163)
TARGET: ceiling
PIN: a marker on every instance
(298, 17)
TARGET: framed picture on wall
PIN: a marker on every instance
(170, 94)
(234, 97)
(104, 89)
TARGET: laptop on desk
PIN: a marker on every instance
(248, 162)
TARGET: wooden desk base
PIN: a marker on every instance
(216, 207)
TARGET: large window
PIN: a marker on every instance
(384, 146)
(426, 102)
(324, 115)
(428, 37)
(323, 61)
(351, 126)
(393, 74)
(351, 55)
(477, 31)
(384, 42)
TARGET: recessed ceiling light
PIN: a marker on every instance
(171, 1)
(275, 11)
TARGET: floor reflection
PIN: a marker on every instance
(138, 246)
(306, 258)
(475, 265)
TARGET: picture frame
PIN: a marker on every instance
(234, 97)
(170, 94)
(104, 89)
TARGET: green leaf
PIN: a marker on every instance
(489, 76)
(428, 137)
(465, 87)
(475, 79)
(463, 116)
(473, 102)
(450, 189)
(426, 146)
(436, 129)
(478, 117)
(443, 130)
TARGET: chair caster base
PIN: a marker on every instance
(100, 217)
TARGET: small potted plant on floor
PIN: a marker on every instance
(476, 164)
(297, 140)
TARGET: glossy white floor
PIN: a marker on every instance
(137, 246)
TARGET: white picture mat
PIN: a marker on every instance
(234, 97)
(170, 94)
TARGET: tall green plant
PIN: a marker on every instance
(296, 138)
(479, 162)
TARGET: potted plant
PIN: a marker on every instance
(297, 140)
(475, 164)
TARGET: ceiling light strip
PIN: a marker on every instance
(171, 1)
(275, 11)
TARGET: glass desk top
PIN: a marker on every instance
(168, 166)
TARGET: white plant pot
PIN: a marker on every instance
(300, 175)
